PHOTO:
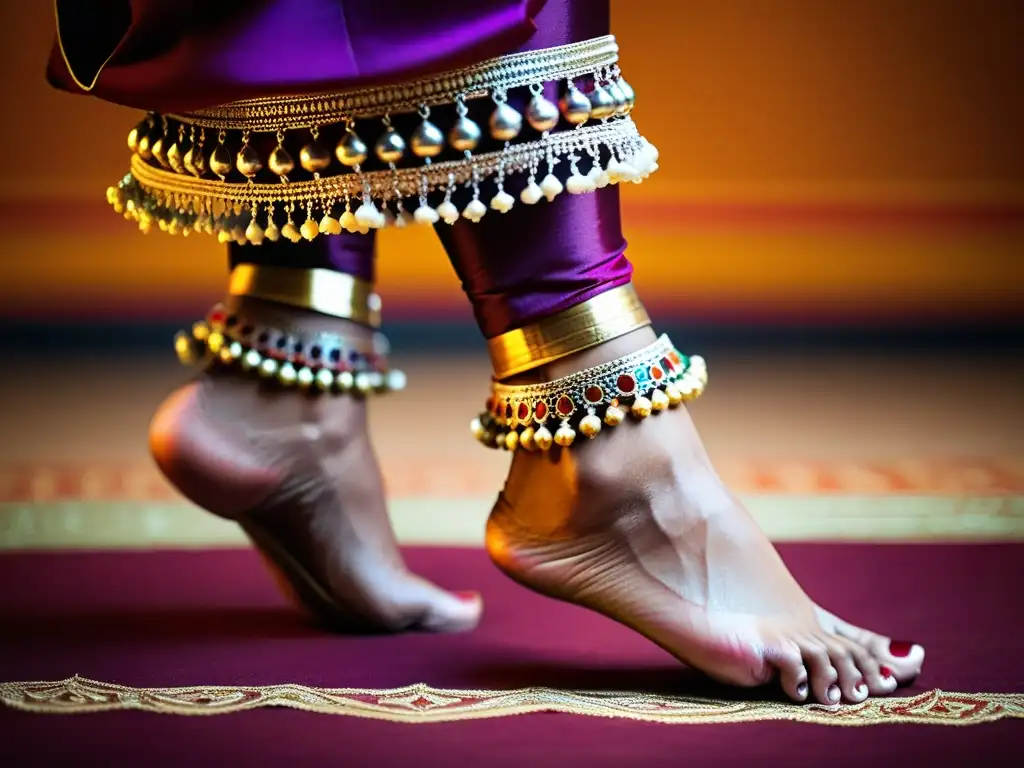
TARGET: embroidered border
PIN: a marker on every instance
(421, 703)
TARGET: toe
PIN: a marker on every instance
(879, 678)
(903, 658)
(792, 673)
(823, 675)
(851, 680)
(452, 611)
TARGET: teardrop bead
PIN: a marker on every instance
(281, 163)
(137, 133)
(314, 157)
(617, 96)
(351, 150)
(602, 104)
(629, 95)
(575, 106)
(248, 162)
(541, 114)
(390, 147)
(464, 135)
(220, 161)
(505, 123)
(142, 147)
(427, 140)
(159, 152)
(174, 158)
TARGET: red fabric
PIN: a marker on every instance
(164, 619)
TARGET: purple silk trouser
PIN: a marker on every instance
(166, 55)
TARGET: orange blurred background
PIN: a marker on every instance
(820, 161)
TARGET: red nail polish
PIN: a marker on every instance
(885, 671)
(900, 648)
(468, 597)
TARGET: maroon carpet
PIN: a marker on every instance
(188, 618)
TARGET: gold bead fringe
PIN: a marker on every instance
(324, 363)
(538, 416)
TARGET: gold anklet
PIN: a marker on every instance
(321, 362)
(645, 382)
(595, 321)
(321, 290)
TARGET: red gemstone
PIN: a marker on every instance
(593, 394)
(626, 383)
(218, 316)
(541, 411)
(565, 405)
(523, 412)
(508, 410)
(657, 373)
(667, 364)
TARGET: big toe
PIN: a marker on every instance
(449, 611)
(903, 658)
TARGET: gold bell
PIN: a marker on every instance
(185, 349)
(215, 341)
(526, 439)
(511, 440)
(565, 436)
(675, 397)
(642, 407)
(613, 416)
(542, 438)
(590, 426)
(268, 367)
(477, 428)
(304, 378)
(659, 400)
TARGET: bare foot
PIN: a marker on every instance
(301, 476)
(637, 525)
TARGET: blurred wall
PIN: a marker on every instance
(819, 160)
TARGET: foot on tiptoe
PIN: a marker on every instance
(299, 474)
(637, 525)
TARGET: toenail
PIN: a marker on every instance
(801, 690)
(833, 693)
(900, 648)
(468, 597)
(885, 671)
(861, 688)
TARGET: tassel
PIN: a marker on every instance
(502, 202)
(531, 194)
(475, 211)
(448, 212)
(551, 187)
(348, 221)
(426, 215)
(254, 233)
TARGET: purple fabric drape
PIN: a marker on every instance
(536, 261)
(185, 54)
(177, 55)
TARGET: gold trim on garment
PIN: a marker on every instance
(494, 75)
(321, 290)
(607, 316)
(67, 62)
(422, 703)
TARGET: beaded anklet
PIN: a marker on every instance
(650, 380)
(319, 362)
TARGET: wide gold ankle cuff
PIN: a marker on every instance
(605, 317)
(537, 416)
(321, 290)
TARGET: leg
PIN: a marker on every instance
(636, 524)
(298, 471)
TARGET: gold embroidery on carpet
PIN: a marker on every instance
(421, 703)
